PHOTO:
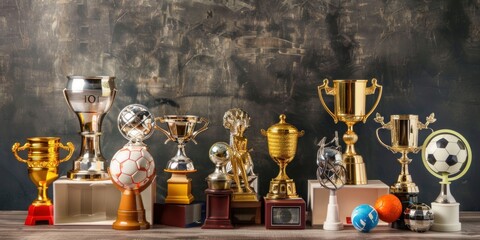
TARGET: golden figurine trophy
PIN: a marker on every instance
(42, 165)
(181, 130)
(246, 208)
(282, 199)
(349, 107)
(132, 168)
(404, 137)
(237, 121)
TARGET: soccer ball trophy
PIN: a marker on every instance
(332, 175)
(447, 155)
(132, 168)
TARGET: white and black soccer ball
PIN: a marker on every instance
(132, 167)
(446, 153)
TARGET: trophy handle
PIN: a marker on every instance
(69, 148)
(328, 91)
(430, 119)
(162, 120)
(379, 119)
(16, 147)
(264, 133)
(205, 127)
(371, 90)
(301, 133)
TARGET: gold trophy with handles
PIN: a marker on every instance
(42, 162)
(349, 107)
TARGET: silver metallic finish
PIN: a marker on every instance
(90, 98)
(330, 172)
(136, 123)
(418, 217)
(220, 153)
(445, 196)
(181, 129)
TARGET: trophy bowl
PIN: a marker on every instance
(90, 98)
(181, 129)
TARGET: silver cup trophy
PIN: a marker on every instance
(90, 98)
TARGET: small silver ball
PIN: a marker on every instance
(136, 122)
(418, 217)
(220, 153)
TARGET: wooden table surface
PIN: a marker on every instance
(12, 227)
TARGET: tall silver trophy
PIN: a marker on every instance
(90, 98)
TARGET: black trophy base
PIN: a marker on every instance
(179, 215)
(218, 209)
(285, 213)
(406, 199)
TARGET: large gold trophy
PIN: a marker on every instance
(284, 209)
(349, 107)
(42, 162)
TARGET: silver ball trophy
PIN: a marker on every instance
(332, 175)
(220, 153)
(90, 98)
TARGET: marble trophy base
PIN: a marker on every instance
(218, 209)
(39, 213)
(406, 199)
(285, 213)
(179, 188)
(179, 215)
(246, 212)
(446, 217)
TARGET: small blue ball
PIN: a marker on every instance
(364, 218)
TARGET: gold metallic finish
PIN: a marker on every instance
(237, 121)
(404, 137)
(282, 141)
(42, 163)
(349, 107)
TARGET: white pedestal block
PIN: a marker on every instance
(92, 202)
(348, 197)
(446, 217)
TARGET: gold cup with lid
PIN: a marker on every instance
(282, 139)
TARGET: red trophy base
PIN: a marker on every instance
(285, 213)
(39, 213)
(218, 209)
(248, 212)
(179, 215)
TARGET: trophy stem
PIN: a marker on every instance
(356, 173)
(282, 173)
(127, 216)
(445, 196)
(144, 224)
(404, 182)
(332, 221)
(42, 198)
(350, 138)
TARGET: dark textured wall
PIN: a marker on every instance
(267, 57)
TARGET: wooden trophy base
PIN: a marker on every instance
(179, 188)
(285, 213)
(39, 213)
(218, 209)
(179, 215)
(246, 212)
